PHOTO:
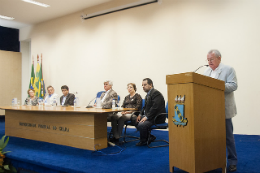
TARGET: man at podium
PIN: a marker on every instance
(226, 73)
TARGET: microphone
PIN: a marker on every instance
(200, 67)
(89, 106)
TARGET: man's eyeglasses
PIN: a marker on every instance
(211, 59)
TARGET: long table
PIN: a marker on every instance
(84, 128)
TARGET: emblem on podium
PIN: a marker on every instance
(179, 106)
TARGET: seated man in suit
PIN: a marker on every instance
(154, 105)
(108, 96)
(67, 98)
(51, 96)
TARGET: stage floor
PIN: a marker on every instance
(45, 157)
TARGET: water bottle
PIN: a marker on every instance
(54, 102)
(29, 102)
(13, 102)
(75, 102)
(77, 99)
(113, 104)
(40, 102)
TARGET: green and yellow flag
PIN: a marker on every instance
(43, 91)
(32, 76)
(38, 79)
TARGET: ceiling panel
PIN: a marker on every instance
(26, 14)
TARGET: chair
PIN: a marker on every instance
(129, 123)
(159, 126)
(99, 95)
(118, 99)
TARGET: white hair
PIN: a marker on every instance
(109, 82)
(216, 52)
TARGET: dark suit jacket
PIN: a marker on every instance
(154, 105)
(69, 99)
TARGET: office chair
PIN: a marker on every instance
(99, 95)
(157, 127)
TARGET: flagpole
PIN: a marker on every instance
(42, 83)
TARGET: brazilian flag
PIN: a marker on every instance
(43, 91)
(32, 77)
(38, 80)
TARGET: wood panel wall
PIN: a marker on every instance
(10, 77)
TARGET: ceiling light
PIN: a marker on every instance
(6, 17)
(36, 3)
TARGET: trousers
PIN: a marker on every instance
(230, 143)
(118, 122)
(144, 129)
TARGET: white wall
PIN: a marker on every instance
(26, 67)
(153, 41)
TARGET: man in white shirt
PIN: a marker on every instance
(225, 73)
(51, 96)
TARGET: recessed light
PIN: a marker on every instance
(36, 3)
(6, 17)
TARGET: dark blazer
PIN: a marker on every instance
(69, 99)
(154, 105)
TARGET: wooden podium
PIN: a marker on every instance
(200, 145)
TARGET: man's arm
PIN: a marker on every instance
(71, 99)
(231, 81)
(61, 100)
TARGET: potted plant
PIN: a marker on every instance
(5, 167)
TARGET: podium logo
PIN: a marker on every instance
(179, 106)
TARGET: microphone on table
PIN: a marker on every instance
(200, 67)
(89, 106)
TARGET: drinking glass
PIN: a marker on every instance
(18, 103)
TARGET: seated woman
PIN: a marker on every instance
(133, 100)
(32, 99)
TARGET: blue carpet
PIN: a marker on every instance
(44, 157)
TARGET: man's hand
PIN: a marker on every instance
(123, 113)
(138, 118)
(143, 119)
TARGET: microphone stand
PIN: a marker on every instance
(88, 106)
(200, 67)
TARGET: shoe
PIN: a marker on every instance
(232, 168)
(114, 140)
(141, 143)
(111, 139)
(151, 139)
